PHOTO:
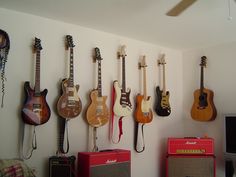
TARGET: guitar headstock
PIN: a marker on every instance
(69, 42)
(37, 44)
(142, 64)
(122, 52)
(97, 54)
(203, 61)
(161, 61)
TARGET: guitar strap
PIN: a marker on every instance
(95, 147)
(137, 137)
(33, 145)
(4, 50)
(63, 130)
(112, 120)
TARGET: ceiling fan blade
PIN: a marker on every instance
(180, 7)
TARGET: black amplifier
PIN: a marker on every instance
(62, 166)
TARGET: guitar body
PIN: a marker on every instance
(97, 113)
(203, 108)
(143, 112)
(162, 106)
(35, 110)
(122, 105)
(69, 104)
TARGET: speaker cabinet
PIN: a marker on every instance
(190, 166)
(110, 163)
(62, 166)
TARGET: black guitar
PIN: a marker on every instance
(163, 106)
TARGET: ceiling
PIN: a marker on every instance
(203, 24)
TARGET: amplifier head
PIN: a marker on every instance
(112, 163)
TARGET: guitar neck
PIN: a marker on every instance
(37, 72)
(123, 75)
(164, 79)
(144, 84)
(99, 87)
(202, 79)
(71, 78)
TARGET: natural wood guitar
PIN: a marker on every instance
(69, 104)
(122, 105)
(35, 110)
(143, 112)
(203, 108)
(97, 113)
(163, 105)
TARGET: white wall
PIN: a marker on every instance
(219, 77)
(22, 29)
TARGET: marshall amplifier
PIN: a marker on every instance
(62, 166)
(201, 146)
(109, 163)
(190, 166)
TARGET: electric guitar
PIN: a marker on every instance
(163, 105)
(69, 104)
(143, 113)
(122, 105)
(203, 108)
(97, 113)
(35, 110)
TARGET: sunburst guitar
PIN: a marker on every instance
(97, 113)
(143, 112)
(35, 110)
(69, 104)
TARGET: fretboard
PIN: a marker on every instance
(37, 72)
(123, 75)
(99, 79)
(71, 78)
(164, 79)
(202, 79)
(144, 84)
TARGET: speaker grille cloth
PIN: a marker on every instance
(190, 167)
(112, 170)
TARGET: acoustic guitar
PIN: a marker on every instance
(69, 104)
(97, 113)
(122, 105)
(163, 105)
(143, 112)
(35, 110)
(203, 108)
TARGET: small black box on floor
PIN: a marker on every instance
(62, 166)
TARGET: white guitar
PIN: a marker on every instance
(122, 105)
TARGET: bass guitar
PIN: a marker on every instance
(122, 105)
(35, 110)
(143, 112)
(163, 105)
(97, 113)
(69, 104)
(203, 108)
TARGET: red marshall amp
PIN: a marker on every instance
(190, 157)
(109, 163)
(203, 146)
